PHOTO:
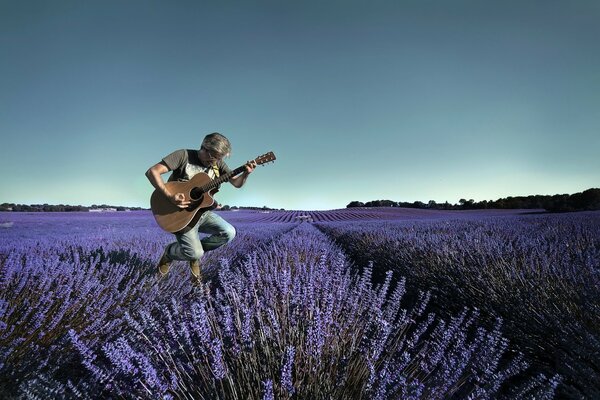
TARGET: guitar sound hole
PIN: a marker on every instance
(196, 195)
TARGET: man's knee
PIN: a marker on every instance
(229, 233)
(192, 253)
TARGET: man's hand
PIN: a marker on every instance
(179, 200)
(240, 180)
(250, 165)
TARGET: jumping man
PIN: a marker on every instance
(185, 164)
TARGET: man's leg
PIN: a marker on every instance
(190, 248)
(187, 248)
(220, 231)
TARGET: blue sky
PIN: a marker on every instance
(359, 100)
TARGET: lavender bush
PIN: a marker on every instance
(290, 321)
(52, 281)
(82, 315)
(539, 272)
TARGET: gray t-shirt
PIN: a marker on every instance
(185, 163)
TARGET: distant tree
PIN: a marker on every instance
(355, 204)
(466, 204)
(379, 203)
(587, 200)
(7, 207)
(446, 206)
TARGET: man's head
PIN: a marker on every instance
(214, 148)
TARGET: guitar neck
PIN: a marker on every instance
(223, 178)
(268, 157)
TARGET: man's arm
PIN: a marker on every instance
(240, 180)
(154, 176)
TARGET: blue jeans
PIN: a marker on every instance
(189, 247)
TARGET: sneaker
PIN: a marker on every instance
(196, 274)
(164, 264)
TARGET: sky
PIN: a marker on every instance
(359, 100)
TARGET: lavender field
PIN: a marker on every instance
(344, 304)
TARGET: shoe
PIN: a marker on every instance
(164, 264)
(196, 274)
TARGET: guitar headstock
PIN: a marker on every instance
(265, 158)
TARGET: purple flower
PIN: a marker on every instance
(88, 357)
(268, 390)
(217, 362)
(247, 327)
(119, 353)
(199, 323)
(150, 376)
(286, 370)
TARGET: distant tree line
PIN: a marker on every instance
(586, 200)
(59, 207)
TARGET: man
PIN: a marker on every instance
(185, 164)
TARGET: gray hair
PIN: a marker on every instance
(217, 143)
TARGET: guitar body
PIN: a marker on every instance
(172, 218)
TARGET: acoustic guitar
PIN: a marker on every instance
(199, 191)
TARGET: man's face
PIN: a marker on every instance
(208, 157)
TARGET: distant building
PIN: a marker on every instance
(102, 209)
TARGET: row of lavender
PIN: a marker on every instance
(360, 214)
(348, 214)
(83, 272)
(290, 320)
(541, 273)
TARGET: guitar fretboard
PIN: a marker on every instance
(223, 178)
(197, 192)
